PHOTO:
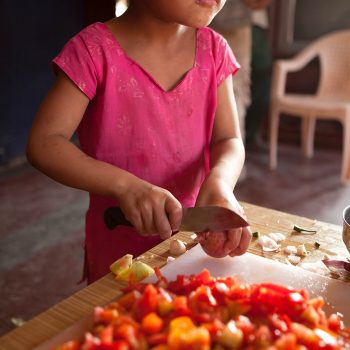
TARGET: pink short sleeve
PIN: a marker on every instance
(225, 60)
(75, 61)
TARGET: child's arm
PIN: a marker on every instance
(226, 158)
(51, 151)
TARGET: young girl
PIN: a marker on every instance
(150, 95)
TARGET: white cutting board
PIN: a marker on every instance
(251, 268)
(248, 268)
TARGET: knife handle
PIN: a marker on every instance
(114, 217)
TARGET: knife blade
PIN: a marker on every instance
(194, 219)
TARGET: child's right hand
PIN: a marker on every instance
(152, 210)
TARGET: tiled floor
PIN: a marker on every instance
(42, 222)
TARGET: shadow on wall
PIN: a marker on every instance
(31, 35)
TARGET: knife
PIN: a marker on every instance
(194, 219)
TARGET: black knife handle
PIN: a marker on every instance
(114, 217)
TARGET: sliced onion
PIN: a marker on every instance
(337, 264)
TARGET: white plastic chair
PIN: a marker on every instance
(331, 101)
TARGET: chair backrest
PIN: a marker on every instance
(334, 53)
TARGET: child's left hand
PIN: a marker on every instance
(229, 242)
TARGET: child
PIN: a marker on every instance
(150, 95)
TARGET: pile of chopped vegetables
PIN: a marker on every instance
(202, 312)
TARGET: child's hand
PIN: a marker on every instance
(230, 242)
(152, 210)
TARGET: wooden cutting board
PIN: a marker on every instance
(251, 268)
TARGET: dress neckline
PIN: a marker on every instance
(150, 76)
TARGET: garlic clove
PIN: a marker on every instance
(177, 247)
(301, 250)
(170, 259)
(290, 250)
(268, 244)
(295, 260)
(277, 236)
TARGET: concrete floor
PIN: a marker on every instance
(42, 222)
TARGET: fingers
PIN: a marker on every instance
(155, 221)
(174, 212)
(243, 245)
(233, 240)
(162, 225)
(158, 214)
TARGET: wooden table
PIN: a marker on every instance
(71, 310)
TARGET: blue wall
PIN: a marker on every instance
(31, 34)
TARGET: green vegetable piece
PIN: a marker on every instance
(256, 234)
(317, 245)
(303, 230)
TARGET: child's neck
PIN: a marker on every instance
(165, 50)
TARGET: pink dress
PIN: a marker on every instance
(160, 136)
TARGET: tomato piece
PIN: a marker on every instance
(181, 306)
(286, 341)
(106, 335)
(129, 299)
(317, 302)
(184, 284)
(238, 307)
(268, 298)
(213, 327)
(204, 294)
(128, 333)
(105, 316)
(335, 322)
(152, 323)
(70, 345)
(246, 326)
(160, 347)
(280, 322)
(147, 302)
(120, 345)
(263, 336)
(203, 317)
(305, 335)
(157, 339)
(310, 316)
(240, 291)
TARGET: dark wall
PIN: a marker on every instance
(32, 33)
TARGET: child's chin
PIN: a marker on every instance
(200, 22)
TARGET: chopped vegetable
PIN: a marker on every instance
(303, 230)
(277, 236)
(317, 245)
(301, 250)
(334, 265)
(268, 244)
(135, 273)
(290, 249)
(177, 247)
(17, 321)
(123, 263)
(256, 234)
(295, 260)
(201, 312)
